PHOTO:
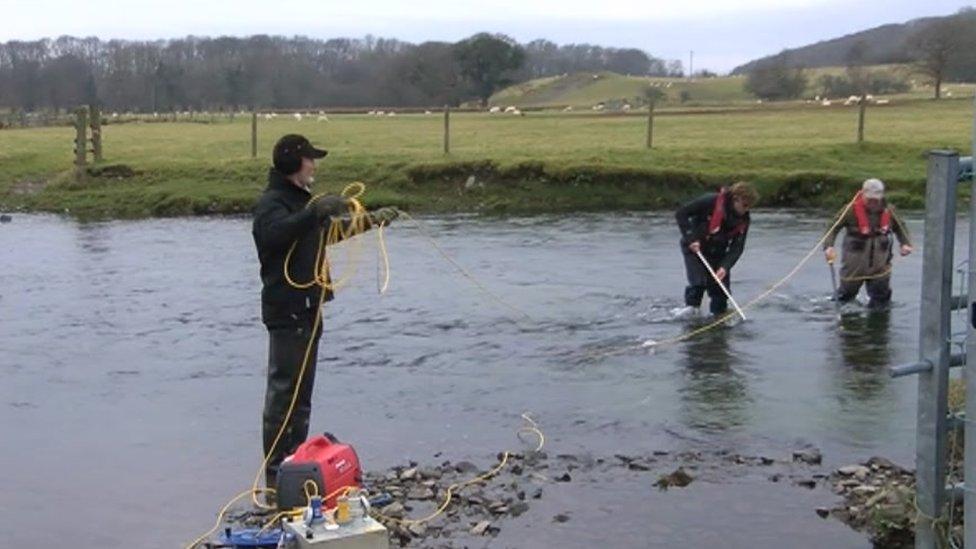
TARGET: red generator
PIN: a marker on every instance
(324, 460)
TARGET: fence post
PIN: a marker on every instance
(81, 142)
(650, 124)
(447, 129)
(862, 105)
(969, 466)
(96, 132)
(254, 134)
(934, 336)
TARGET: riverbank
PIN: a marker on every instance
(539, 163)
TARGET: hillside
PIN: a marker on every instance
(584, 90)
(886, 44)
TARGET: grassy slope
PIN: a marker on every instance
(543, 161)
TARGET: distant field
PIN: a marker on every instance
(538, 162)
(584, 90)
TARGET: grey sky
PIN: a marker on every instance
(723, 34)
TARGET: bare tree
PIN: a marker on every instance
(933, 48)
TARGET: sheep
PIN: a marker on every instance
(881, 102)
(323, 118)
(427, 113)
(625, 107)
(598, 107)
(825, 102)
(517, 112)
(669, 84)
(298, 116)
(948, 94)
(115, 115)
(267, 116)
(568, 109)
(380, 113)
(391, 113)
(816, 98)
(510, 108)
(759, 101)
(494, 110)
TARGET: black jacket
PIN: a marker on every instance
(280, 218)
(693, 220)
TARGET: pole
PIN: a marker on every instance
(650, 124)
(720, 284)
(833, 282)
(861, 107)
(81, 143)
(934, 344)
(691, 64)
(254, 134)
(96, 132)
(969, 467)
(447, 129)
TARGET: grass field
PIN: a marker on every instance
(799, 155)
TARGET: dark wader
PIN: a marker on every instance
(700, 281)
(286, 353)
(866, 261)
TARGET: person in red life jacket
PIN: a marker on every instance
(868, 245)
(715, 224)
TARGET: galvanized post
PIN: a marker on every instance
(934, 334)
(969, 465)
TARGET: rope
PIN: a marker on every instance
(532, 428)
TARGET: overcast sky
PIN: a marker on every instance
(722, 33)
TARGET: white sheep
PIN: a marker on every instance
(380, 113)
(510, 108)
(625, 107)
(517, 112)
(267, 116)
(568, 109)
(298, 116)
(881, 102)
(323, 118)
(869, 97)
(948, 94)
(391, 113)
(669, 84)
(759, 101)
(115, 115)
(825, 102)
(816, 98)
(494, 110)
(427, 113)
(598, 107)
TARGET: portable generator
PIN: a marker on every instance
(322, 459)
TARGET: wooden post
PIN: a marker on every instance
(650, 124)
(81, 142)
(447, 129)
(861, 106)
(96, 132)
(254, 134)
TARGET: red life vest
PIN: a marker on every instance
(718, 216)
(864, 223)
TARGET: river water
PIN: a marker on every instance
(133, 363)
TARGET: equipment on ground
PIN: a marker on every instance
(326, 462)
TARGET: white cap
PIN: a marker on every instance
(873, 188)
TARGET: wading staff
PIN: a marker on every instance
(720, 284)
(833, 282)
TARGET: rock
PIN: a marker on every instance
(766, 461)
(5, 218)
(435, 474)
(811, 456)
(859, 472)
(564, 478)
(638, 466)
(418, 529)
(679, 478)
(807, 483)
(537, 494)
(864, 490)
(517, 470)
(481, 528)
(395, 510)
(660, 452)
(517, 509)
(776, 477)
(465, 467)
(420, 493)
(560, 518)
(823, 512)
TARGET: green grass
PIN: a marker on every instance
(799, 155)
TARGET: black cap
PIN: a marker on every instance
(289, 151)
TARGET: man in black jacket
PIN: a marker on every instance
(715, 224)
(283, 216)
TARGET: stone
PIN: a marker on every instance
(465, 467)
(519, 508)
(679, 478)
(564, 478)
(823, 512)
(810, 456)
(766, 461)
(481, 528)
(420, 493)
(638, 466)
(418, 529)
(858, 471)
(807, 483)
(537, 494)
(560, 518)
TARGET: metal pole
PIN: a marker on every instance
(861, 106)
(254, 134)
(650, 124)
(969, 465)
(934, 334)
(447, 129)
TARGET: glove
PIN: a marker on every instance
(384, 216)
(831, 254)
(330, 206)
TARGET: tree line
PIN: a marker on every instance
(263, 72)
